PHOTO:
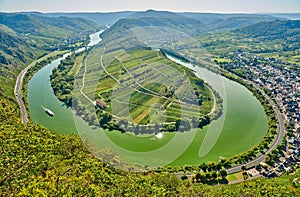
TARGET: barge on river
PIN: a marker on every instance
(49, 112)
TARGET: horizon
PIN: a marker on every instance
(107, 12)
(201, 6)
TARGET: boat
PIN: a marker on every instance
(49, 112)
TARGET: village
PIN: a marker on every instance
(281, 82)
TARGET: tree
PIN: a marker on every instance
(203, 166)
(105, 118)
(201, 177)
(137, 129)
(195, 122)
(218, 166)
(244, 168)
(214, 174)
(93, 119)
(208, 175)
(211, 166)
(177, 124)
(184, 177)
(223, 173)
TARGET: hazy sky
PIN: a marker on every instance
(225, 6)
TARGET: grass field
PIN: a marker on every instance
(235, 176)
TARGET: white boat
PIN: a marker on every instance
(49, 112)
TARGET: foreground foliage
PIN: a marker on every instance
(36, 162)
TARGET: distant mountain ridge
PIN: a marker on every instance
(272, 30)
(40, 25)
(290, 16)
(211, 21)
(152, 18)
(226, 22)
(26, 36)
(191, 23)
(154, 13)
(108, 18)
(285, 33)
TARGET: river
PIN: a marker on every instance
(40, 96)
(242, 125)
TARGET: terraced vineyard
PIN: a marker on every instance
(143, 87)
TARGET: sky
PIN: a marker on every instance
(219, 6)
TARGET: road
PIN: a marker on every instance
(281, 127)
(82, 87)
(280, 130)
(18, 90)
(275, 143)
(19, 84)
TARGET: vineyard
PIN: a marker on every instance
(143, 87)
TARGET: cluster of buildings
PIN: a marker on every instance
(75, 38)
(284, 164)
(281, 81)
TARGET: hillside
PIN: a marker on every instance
(290, 16)
(38, 25)
(272, 30)
(159, 19)
(285, 32)
(99, 18)
(35, 161)
(15, 51)
(13, 46)
(226, 22)
(25, 37)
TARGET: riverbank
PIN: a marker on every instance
(25, 76)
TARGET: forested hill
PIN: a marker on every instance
(226, 22)
(99, 18)
(15, 52)
(272, 30)
(38, 25)
(153, 18)
(283, 32)
(25, 37)
(13, 47)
